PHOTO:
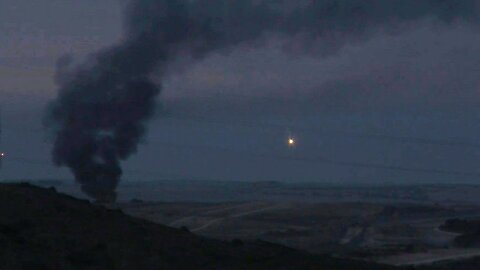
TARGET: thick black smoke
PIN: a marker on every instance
(103, 105)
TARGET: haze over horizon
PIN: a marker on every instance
(399, 99)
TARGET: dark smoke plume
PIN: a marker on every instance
(103, 105)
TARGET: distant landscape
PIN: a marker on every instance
(239, 135)
(394, 225)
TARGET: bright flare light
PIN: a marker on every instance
(291, 142)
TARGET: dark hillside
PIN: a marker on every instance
(41, 229)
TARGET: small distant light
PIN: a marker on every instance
(2, 154)
(291, 142)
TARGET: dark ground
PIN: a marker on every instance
(42, 229)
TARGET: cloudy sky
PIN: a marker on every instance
(399, 105)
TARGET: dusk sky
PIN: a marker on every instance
(395, 104)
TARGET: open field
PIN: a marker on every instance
(370, 231)
(397, 225)
(43, 229)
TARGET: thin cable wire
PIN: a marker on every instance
(297, 158)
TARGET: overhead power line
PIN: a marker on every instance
(264, 125)
(296, 158)
(303, 129)
(325, 160)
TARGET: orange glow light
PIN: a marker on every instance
(291, 141)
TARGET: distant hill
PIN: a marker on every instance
(42, 229)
